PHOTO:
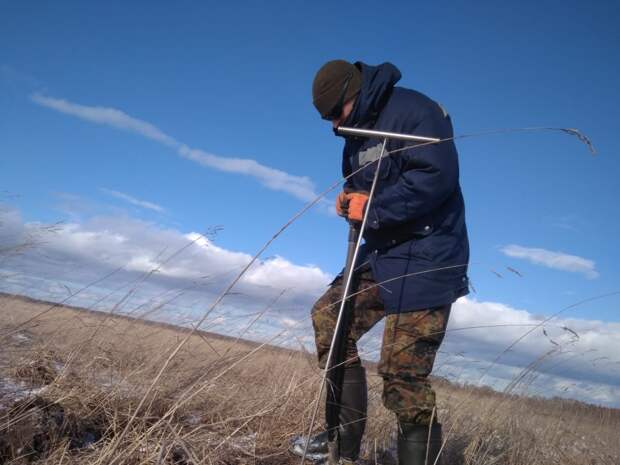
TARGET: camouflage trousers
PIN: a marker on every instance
(410, 343)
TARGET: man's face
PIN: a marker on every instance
(346, 111)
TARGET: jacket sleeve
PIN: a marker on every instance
(430, 176)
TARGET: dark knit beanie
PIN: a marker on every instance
(329, 83)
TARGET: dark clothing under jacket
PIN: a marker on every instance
(416, 223)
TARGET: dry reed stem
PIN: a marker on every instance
(180, 345)
(269, 403)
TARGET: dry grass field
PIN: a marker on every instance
(79, 387)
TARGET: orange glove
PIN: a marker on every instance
(357, 206)
(351, 205)
(342, 204)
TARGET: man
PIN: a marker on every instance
(413, 264)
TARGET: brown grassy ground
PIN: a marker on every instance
(72, 382)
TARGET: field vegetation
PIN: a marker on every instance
(80, 387)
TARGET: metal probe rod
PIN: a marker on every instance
(384, 135)
(345, 295)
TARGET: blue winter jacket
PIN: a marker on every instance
(415, 240)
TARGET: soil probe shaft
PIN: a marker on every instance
(334, 373)
(355, 236)
(355, 239)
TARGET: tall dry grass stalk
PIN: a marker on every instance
(234, 402)
(83, 387)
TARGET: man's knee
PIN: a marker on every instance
(324, 321)
(412, 399)
(324, 311)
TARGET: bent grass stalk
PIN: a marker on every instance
(118, 438)
(257, 407)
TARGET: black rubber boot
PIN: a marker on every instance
(413, 441)
(352, 419)
(353, 410)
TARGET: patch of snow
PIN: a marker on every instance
(21, 337)
(12, 391)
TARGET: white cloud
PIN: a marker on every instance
(554, 260)
(82, 251)
(574, 349)
(134, 201)
(585, 366)
(288, 322)
(107, 116)
(300, 187)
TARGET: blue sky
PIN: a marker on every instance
(134, 111)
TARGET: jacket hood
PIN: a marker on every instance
(377, 84)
